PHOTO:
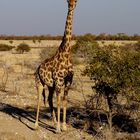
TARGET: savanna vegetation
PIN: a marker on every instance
(110, 111)
(117, 66)
(102, 36)
(23, 47)
(5, 47)
(115, 72)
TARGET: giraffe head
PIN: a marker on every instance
(71, 4)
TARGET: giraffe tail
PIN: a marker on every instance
(44, 97)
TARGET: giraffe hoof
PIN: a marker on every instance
(58, 130)
(36, 126)
(64, 127)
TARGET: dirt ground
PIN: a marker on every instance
(17, 117)
(18, 101)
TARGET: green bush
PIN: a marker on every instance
(23, 47)
(84, 46)
(118, 67)
(4, 47)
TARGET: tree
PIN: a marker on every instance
(118, 67)
(23, 47)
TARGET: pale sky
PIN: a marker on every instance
(36, 17)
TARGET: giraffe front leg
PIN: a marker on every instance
(39, 90)
(58, 92)
(64, 126)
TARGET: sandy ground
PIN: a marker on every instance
(19, 100)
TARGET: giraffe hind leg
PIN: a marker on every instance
(50, 101)
(44, 96)
(68, 82)
(39, 92)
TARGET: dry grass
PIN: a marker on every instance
(18, 101)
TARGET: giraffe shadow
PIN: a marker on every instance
(76, 117)
(27, 115)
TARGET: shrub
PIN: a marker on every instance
(23, 47)
(11, 41)
(84, 46)
(115, 70)
(4, 47)
(118, 67)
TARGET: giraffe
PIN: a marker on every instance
(57, 73)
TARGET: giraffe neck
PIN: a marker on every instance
(65, 45)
